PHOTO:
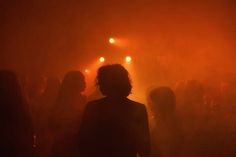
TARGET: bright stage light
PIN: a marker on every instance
(87, 71)
(112, 40)
(102, 59)
(128, 59)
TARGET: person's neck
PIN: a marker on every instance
(116, 98)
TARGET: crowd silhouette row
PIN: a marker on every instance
(58, 120)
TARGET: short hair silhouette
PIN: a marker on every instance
(114, 126)
(113, 80)
(74, 81)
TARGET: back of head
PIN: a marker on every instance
(163, 100)
(73, 83)
(12, 103)
(10, 92)
(113, 81)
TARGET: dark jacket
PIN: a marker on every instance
(114, 128)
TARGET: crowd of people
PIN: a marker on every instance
(54, 118)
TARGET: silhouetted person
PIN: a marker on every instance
(194, 104)
(46, 102)
(35, 85)
(114, 126)
(66, 114)
(16, 135)
(165, 132)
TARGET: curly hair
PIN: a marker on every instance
(113, 80)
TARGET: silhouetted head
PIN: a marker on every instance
(9, 85)
(163, 100)
(11, 99)
(113, 81)
(73, 83)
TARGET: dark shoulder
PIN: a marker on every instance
(133, 104)
(95, 103)
(137, 105)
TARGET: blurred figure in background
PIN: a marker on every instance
(192, 109)
(16, 128)
(114, 126)
(34, 87)
(45, 103)
(228, 103)
(203, 120)
(228, 100)
(195, 107)
(165, 125)
(66, 114)
(47, 100)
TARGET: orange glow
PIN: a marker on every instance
(87, 71)
(112, 40)
(102, 59)
(128, 59)
(90, 74)
(138, 87)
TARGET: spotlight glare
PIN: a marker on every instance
(102, 59)
(87, 71)
(112, 40)
(128, 59)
